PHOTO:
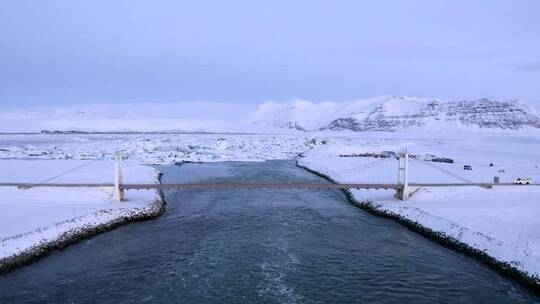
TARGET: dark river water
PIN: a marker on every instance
(258, 246)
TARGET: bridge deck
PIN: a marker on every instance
(261, 185)
(257, 185)
(303, 185)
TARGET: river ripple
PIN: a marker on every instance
(271, 246)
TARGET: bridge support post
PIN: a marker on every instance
(119, 192)
(403, 191)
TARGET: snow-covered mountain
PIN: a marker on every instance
(126, 117)
(391, 113)
(382, 113)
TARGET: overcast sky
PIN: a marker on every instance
(100, 51)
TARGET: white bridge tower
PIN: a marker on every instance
(118, 180)
(403, 191)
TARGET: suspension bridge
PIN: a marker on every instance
(403, 187)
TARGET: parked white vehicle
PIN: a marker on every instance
(523, 181)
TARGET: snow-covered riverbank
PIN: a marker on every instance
(501, 222)
(37, 220)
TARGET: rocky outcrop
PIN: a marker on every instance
(482, 113)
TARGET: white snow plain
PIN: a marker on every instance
(502, 221)
(42, 215)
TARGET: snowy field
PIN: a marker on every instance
(502, 221)
(42, 215)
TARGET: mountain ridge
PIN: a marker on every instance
(381, 113)
(391, 113)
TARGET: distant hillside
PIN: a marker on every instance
(390, 113)
(128, 117)
(383, 113)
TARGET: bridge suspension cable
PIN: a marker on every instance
(71, 170)
(445, 171)
(366, 166)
